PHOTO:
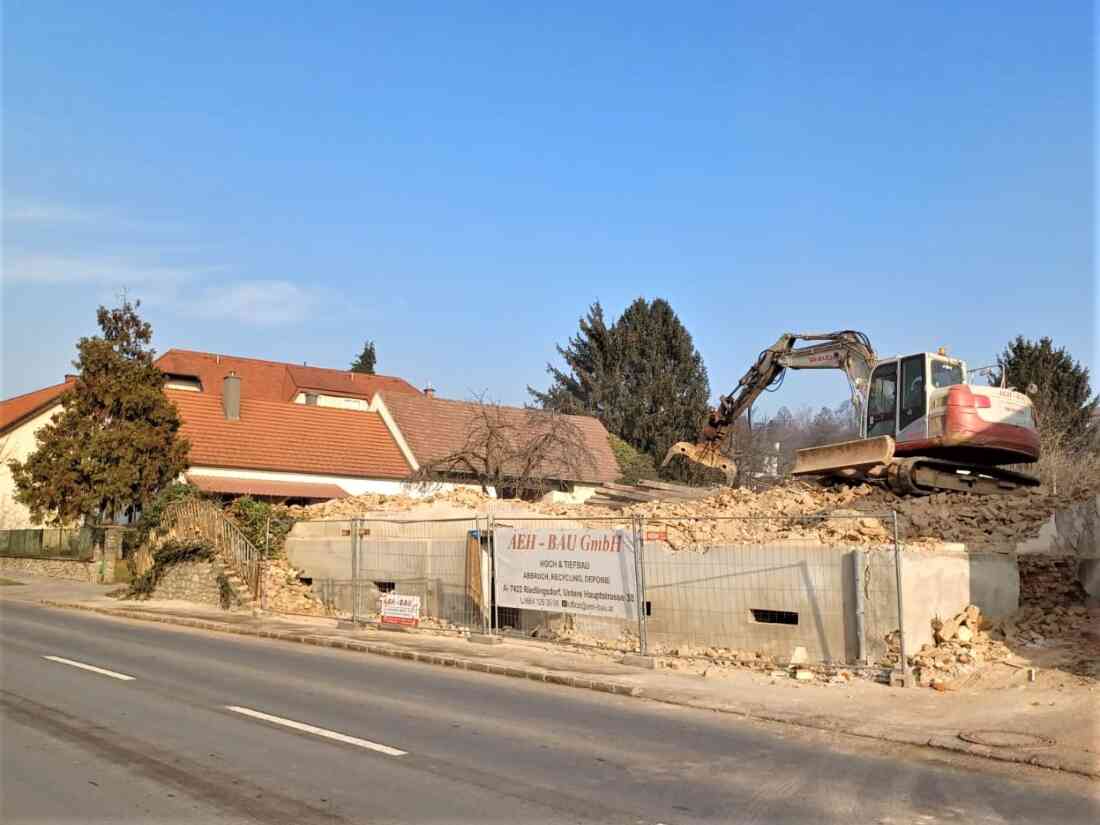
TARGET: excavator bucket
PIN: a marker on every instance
(706, 454)
(861, 454)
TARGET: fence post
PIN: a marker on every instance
(902, 677)
(639, 584)
(355, 571)
(495, 624)
(858, 557)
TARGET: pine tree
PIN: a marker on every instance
(592, 383)
(642, 377)
(665, 391)
(115, 443)
(366, 360)
(1057, 384)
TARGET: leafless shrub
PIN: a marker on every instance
(523, 453)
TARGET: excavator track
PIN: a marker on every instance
(923, 476)
(872, 459)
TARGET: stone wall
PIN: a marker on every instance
(192, 581)
(83, 571)
(1049, 581)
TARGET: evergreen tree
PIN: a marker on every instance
(114, 444)
(1058, 384)
(366, 360)
(592, 383)
(665, 391)
(642, 377)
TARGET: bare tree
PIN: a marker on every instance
(520, 452)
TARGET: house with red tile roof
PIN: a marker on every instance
(296, 432)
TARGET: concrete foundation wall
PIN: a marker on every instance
(804, 594)
(707, 599)
(936, 584)
(425, 559)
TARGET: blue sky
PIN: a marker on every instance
(459, 181)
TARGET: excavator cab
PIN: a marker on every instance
(901, 391)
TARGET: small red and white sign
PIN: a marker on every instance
(401, 610)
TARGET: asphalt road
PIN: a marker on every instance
(214, 728)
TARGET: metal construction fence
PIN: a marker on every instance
(726, 586)
(69, 543)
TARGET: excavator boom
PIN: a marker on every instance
(846, 350)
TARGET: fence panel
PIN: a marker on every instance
(728, 587)
(443, 562)
(75, 543)
(710, 591)
(624, 634)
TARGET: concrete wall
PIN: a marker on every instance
(698, 599)
(18, 444)
(707, 599)
(425, 559)
(936, 584)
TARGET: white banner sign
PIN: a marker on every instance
(587, 572)
(397, 609)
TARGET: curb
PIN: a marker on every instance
(937, 741)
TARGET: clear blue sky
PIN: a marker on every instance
(459, 181)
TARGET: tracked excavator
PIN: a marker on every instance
(923, 427)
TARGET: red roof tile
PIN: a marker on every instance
(21, 407)
(266, 487)
(288, 437)
(275, 380)
(435, 428)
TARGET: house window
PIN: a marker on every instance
(311, 399)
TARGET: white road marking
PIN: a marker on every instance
(120, 676)
(327, 734)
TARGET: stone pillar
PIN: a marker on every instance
(109, 555)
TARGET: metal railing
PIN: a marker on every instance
(207, 521)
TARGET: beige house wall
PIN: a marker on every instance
(18, 443)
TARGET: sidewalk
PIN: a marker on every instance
(1050, 726)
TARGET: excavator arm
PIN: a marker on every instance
(846, 350)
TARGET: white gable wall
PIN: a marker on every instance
(17, 444)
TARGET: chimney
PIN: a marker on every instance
(429, 390)
(231, 397)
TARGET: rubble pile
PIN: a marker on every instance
(786, 512)
(374, 503)
(789, 512)
(981, 522)
(962, 645)
(1047, 582)
(283, 591)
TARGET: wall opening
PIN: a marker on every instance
(774, 616)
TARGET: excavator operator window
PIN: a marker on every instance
(882, 401)
(912, 391)
(945, 374)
